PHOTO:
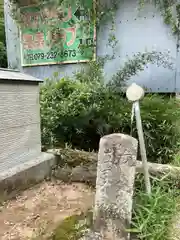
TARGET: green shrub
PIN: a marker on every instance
(160, 119)
(79, 111)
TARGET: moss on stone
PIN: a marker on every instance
(75, 166)
(73, 227)
(74, 158)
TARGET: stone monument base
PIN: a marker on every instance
(25, 175)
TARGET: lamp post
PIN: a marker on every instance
(134, 94)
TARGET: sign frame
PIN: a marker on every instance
(59, 62)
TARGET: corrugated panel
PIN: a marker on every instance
(135, 34)
(145, 32)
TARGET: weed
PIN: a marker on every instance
(152, 214)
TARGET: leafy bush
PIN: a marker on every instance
(79, 111)
(160, 118)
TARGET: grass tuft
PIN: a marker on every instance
(152, 214)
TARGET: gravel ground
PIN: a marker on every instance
(37, 211)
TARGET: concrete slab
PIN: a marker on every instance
(25, 175)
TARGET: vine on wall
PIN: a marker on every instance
(105, 10)
(170, 11)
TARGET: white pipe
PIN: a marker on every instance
(142, 146)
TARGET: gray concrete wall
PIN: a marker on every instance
(19, 123)
(135, 32)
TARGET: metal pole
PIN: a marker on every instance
(142, 146)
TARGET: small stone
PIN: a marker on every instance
(134, 92)
(92, 236)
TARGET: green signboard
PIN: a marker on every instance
(51, 35)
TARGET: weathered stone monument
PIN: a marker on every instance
(114, 188)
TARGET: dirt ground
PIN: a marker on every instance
(37, 211)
